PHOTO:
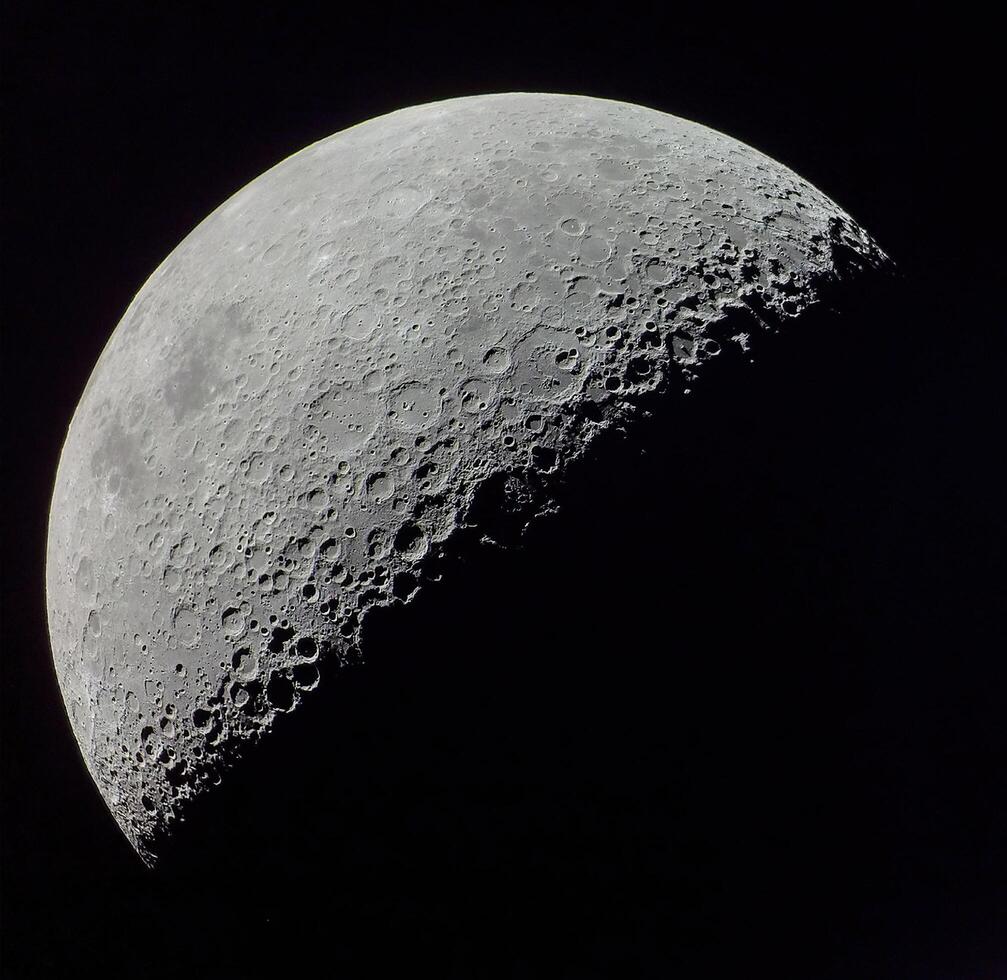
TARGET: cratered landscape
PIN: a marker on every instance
(398, 339)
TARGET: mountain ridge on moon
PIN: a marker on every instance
(398, 338)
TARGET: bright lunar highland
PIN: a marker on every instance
(395, 332)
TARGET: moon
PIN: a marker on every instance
(400, 334)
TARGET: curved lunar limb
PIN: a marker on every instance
(396, 337)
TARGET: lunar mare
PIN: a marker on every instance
(388, 339)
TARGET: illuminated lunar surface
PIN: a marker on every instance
(390, 337)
